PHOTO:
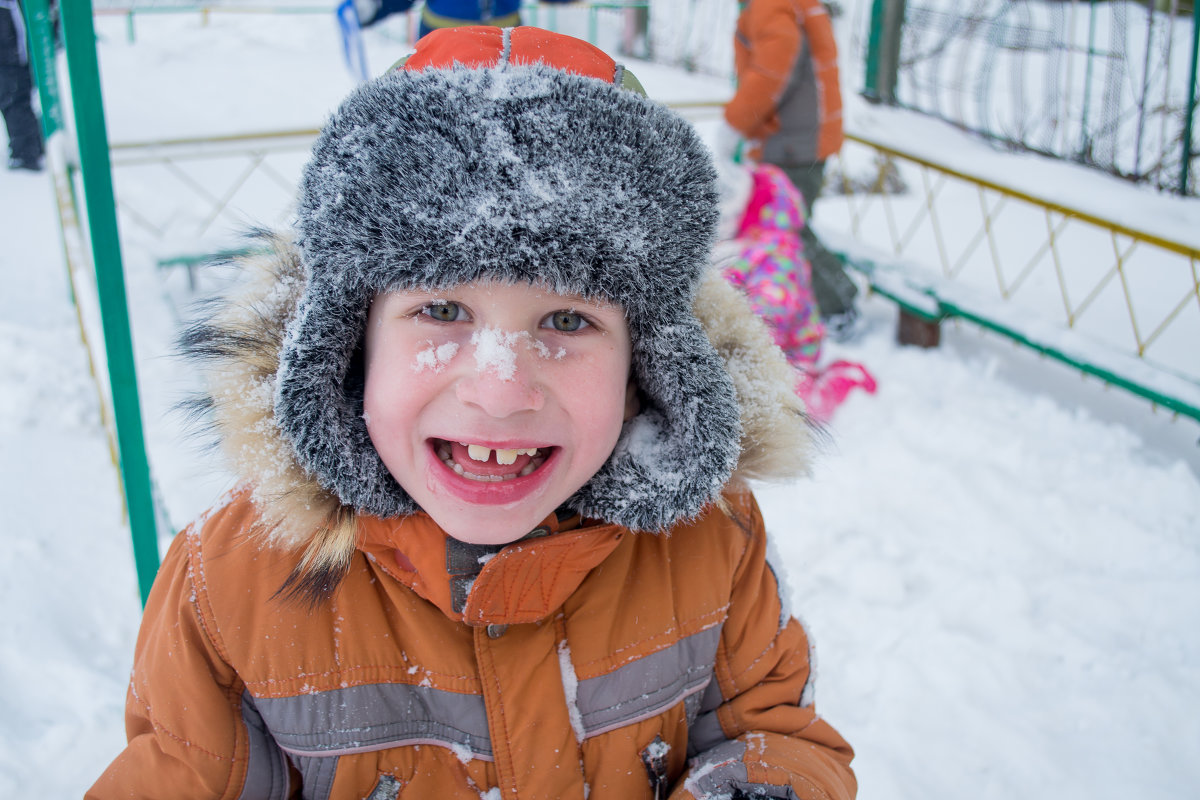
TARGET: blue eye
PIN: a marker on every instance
(566, 321)
(444, 312)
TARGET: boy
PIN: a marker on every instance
(488, 544)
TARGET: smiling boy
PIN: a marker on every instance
(490, 445)
(492, 419)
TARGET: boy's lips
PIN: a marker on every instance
(488, 483)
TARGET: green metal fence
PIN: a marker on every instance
(90, 142)
(1110, 84)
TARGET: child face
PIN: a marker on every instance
(491, 404)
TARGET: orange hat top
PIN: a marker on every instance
(486, 46)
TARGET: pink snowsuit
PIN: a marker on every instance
(770, 267)
(772, 271)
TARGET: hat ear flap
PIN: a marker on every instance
(675, 455)
(320, 411)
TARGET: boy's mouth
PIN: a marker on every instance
(478, 462)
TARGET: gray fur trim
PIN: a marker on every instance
(237, 346)
(436, 178)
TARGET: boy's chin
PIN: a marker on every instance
(487, 529)
(489, 538)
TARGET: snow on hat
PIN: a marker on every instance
(513, 155)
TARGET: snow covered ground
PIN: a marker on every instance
(999, 560)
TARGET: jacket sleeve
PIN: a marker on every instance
(774, 47)
(758, 733)
(189, 736)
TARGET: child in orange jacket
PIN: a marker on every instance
(492, 539)
(788, 109)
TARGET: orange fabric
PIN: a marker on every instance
(536, 46)
(474, 46)
(521, 584)
(483, 46)
(215, 631)
(767, 43)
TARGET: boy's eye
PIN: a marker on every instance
(566, 321)
(444, 312)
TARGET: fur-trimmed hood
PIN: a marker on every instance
(239, 341)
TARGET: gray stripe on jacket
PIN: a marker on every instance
(650, 685)
(315, 728)
(266, 770)
(375, 717)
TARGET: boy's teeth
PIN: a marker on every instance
(478, 452)
(525, 470)
(507, 456)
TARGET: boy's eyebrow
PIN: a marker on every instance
(601, 302)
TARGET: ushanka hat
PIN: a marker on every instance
(516, 155)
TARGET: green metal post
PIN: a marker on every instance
(1189, 118)
(41, 57)
(883, 51)
(874, 38)
(83, 72)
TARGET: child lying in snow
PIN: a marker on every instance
(761, 253)
(492, 539)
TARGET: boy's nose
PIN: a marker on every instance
(502, 392)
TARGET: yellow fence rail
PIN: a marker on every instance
(1110, 298)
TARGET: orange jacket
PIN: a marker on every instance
(788, 97)
(588, 662)
(583, 660)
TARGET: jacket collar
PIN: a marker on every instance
(519, 583)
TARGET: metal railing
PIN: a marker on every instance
(1113, 300)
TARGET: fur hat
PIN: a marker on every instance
(513, 155)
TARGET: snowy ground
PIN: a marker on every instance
(999, 559)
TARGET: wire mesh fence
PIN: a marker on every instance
(1107, 84)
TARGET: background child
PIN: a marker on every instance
(492, 539)
(763, 254)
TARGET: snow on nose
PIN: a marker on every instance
(494, 351)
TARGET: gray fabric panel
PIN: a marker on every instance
(266, 770)
(729, 776)
(375, 716)
(767, 790)
(704, 734)
(691, 706)
(705, 731)
(648, 685)
(723, 778)
(318, 777)
(711, 699)
(799, 110)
